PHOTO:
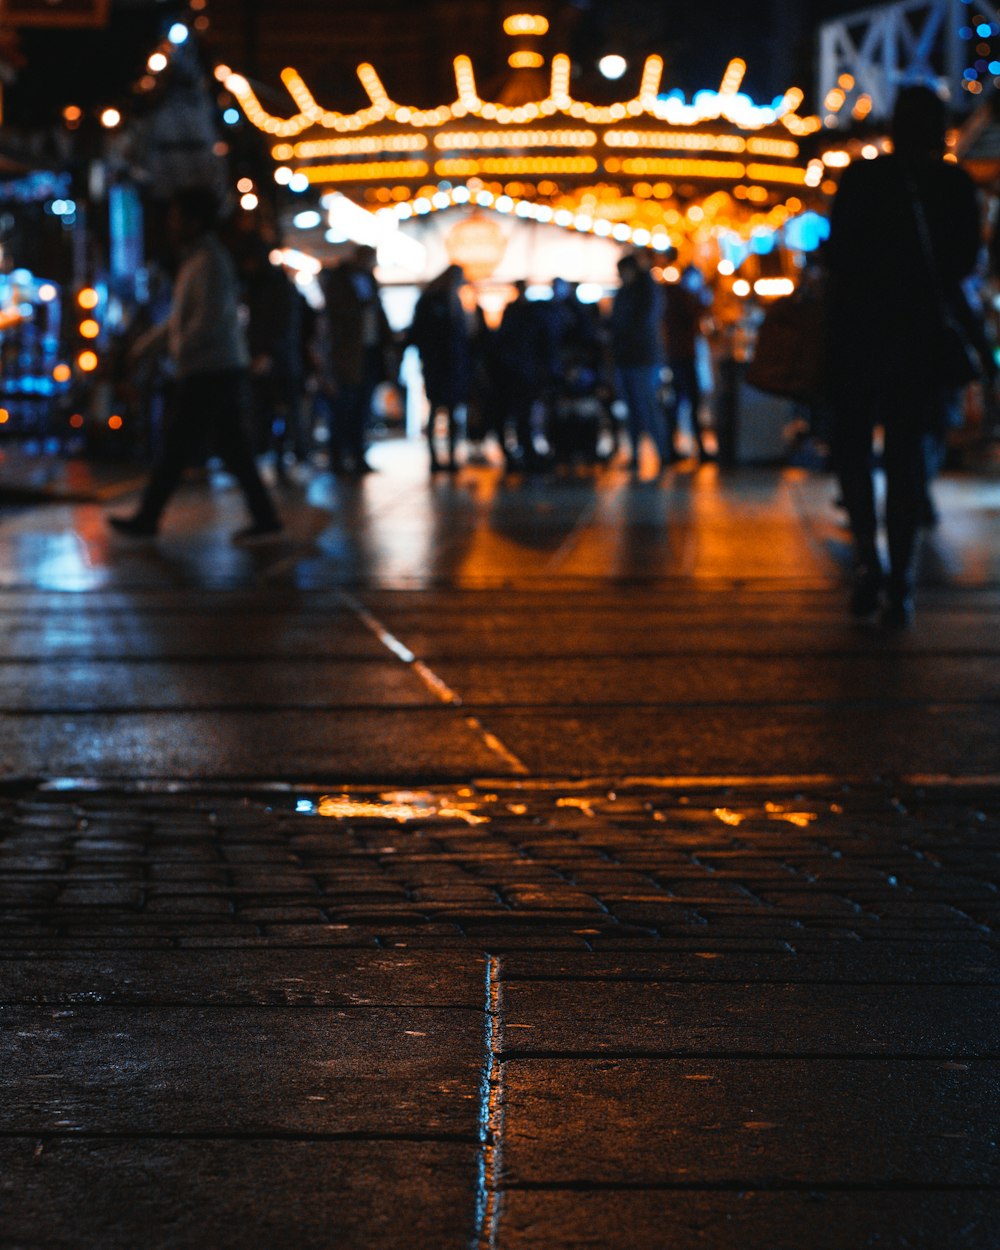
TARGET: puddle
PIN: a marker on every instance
(401, 807)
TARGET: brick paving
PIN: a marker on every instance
(485, 1000)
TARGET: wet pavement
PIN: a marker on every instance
(528, 865)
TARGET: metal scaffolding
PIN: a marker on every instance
(883, 48)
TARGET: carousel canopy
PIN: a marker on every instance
(652, 170)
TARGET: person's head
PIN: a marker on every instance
(521, 287)
(561, 289)
(629, 269)
(918, 123)
(192, 212)
(364, 257)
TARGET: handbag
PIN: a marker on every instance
(790, 355)
(955, 355)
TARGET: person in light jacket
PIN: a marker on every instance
(209, 354)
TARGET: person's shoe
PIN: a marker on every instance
(133, 526)
(259, 532)
(898, 612)
(866, 591)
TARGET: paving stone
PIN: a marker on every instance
(329, 978)
(664, 1219)
(754, 1123)
(552, 1017)
(244, 1071)
(229, 1195)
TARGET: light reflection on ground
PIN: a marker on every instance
(400, 807)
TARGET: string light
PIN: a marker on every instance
(728, 103)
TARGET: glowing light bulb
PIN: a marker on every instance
(612, 66)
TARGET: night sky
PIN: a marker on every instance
(415, 40)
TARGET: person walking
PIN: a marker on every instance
(440, 333)
(355, 347)
(210, 357)
(905, 232)
(637, 348)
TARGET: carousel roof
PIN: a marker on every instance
(641, 167)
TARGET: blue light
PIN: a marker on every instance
(762, 241)
(970, 75)
(984, 30)
(178, 33)
(995, 67)
(806, 232)
(231, 117)
(965, 32)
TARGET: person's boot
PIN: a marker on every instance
(898, 610)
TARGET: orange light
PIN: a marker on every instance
(62, 373)
(89, 329)
(4, 416)
(526, 24)
(72, 113)
(526, 60)
(76, 420)
(87, 361)
(114, 421)
(88, 298)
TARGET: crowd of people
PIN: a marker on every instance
(543, 383)
(551, 381)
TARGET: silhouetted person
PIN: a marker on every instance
(440, 333)
(526, 359)
(905, 232)
(274, 336)
(684, 306)
(355, 350)
(637, 347)
(210, 357)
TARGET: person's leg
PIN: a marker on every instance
(651, 414)
(630, 392)
(692, 391)
(226, 393)
(917, 414)
(181, 437)
(852, 452)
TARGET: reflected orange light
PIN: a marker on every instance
(88, 298)
(87, 361)
(76, 420)
(62, 373)
(115, 421)
(89, 329)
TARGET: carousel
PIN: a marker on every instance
(537, 184)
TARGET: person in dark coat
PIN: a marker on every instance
(354, 354)
(440, 333)
(685, 304)
(526, 355)
(637, 347)
(274, 336)
(905, 232)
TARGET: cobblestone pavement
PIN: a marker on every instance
(497, 867)
(513, 1015)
